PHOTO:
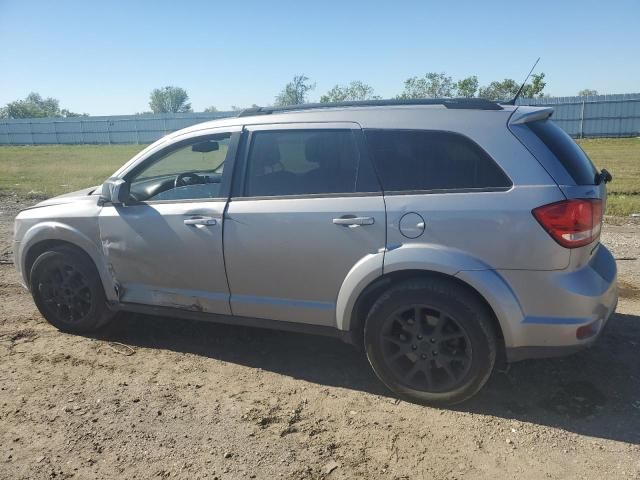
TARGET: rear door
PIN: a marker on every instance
(305, 208)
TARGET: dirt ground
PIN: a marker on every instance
(181, 399)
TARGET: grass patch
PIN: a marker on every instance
(47, 170)
(621, 156)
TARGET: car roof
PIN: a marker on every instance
(453, 103)
(359, 112)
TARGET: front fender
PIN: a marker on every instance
(55, 230)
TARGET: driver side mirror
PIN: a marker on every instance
(115, 190)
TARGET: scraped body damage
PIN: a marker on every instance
(155, 259)
(73, 219)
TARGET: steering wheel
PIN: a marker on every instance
(180, 179)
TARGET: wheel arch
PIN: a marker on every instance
(498, 316)
(39, 239)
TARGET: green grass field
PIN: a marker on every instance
(44, 171)
(50, 170)
(621, 156)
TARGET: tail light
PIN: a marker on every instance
(571, 223)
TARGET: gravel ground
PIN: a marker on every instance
(168, 398)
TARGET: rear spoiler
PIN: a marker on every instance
(529, 114)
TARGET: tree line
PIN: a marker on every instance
(173, 99)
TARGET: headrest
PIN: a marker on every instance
(323, 149)
(265, 151)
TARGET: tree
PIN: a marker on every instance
(236, 108)
(504, 90)
(169, 100)
(356, 90)
(34, 106)
(432, 85)
(67, 114)
(587, 92)
(295, 92)
(507, 88)
(210, 109)
(535, 88)
(467, 87)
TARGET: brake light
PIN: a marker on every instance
(571, 223)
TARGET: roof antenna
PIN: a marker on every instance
(513, 100)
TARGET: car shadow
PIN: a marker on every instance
(595, 392)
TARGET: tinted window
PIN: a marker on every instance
(431, 160)
(572, 157)
(298, 162)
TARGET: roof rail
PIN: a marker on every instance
(453, 103)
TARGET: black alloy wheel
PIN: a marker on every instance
(68, 291)
(64, 291)
(426, 348)
(431, 340)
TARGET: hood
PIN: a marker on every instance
(67, 197)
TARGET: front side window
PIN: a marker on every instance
(193, 170)
(415, 160)
(303, 162)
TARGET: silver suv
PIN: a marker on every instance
(437, 234)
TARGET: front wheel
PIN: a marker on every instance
(431, 341)
(67, 290)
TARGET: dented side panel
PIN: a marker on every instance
(157, 259)
(71, 219)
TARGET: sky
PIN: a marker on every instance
(104, 58)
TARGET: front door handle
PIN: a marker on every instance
(353, 221)
(200, 221)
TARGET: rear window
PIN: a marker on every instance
(569, 154)
(414, 160)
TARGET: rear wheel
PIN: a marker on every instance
(431, 341)
(67, 290)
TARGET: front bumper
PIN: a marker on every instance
(17, 264)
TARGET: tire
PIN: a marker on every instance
(68, 292)
(445, 357)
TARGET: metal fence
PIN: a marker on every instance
(597, 116)
(98, 130)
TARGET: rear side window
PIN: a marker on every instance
(569, 154)
(408, 160)
(306, 162)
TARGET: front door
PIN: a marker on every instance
(307, 208)
(164, 247)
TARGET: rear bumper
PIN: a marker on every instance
(517, 354)
(563, 312)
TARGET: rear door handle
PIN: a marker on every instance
(200, 221)
(352, 221)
